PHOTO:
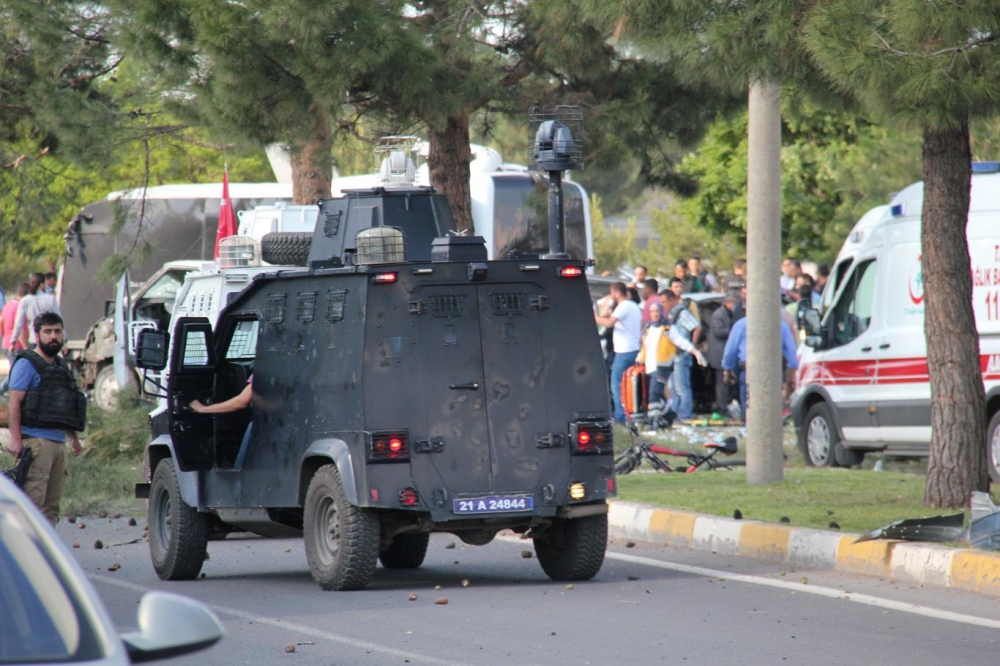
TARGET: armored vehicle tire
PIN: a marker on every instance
(573, 549)
(178, 534)
(342, 541)
(407, 551)
(286, 248)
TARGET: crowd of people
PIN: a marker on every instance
(656, 324)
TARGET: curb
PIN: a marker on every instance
(925, 564)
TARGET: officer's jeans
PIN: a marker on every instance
(743, 391)
(682, 400)
(622, 362)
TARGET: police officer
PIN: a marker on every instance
(45, 407)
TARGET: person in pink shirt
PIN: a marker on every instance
(7, 316)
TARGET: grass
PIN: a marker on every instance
(104, 477)
(857, 500)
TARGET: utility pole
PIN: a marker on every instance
(764, 428)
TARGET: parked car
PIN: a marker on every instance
(52, 614)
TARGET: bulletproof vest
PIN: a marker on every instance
(55, 402)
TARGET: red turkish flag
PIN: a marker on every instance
(227, 218)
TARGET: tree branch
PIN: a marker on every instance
(985, 39)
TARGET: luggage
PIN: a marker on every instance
(634, 388)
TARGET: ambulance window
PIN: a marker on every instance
(243, 344)
(852, 315)
(839, 272)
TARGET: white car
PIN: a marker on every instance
(52, 614)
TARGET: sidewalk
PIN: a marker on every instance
(925, 564)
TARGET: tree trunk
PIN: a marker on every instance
(957, 464)
(448, 160)
(312, 161)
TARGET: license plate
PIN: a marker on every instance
(494, 504)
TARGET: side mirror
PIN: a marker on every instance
(809, 322)
(171, 625)
(151, 350)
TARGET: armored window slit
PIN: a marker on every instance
(331, 224)
(305, 307)
(335, 300)
(508, 303)
(276, 308)
(195, 349)
(449, 306)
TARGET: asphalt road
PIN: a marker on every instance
(649, 604)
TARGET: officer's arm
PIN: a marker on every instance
(242, 401)
(14, 418)
(20, 332)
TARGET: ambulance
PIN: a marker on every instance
(863, 383)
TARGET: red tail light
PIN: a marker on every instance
(591, 437)
(570, 272)
(384, 278)
(409, 497)
(389, 446)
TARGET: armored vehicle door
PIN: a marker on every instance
(123, 317)
(192, 377)
(481, 361)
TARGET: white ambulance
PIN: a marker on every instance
(863, 383)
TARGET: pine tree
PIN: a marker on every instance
(935, 66)
(261, 71)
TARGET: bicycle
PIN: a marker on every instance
(633, 457)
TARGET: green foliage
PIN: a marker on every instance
(42, 194)
(612, 248)
(931, 63)
(120, 433)
(835, 166)
(720, 43)
(676, 238)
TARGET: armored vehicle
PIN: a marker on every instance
(403, 384)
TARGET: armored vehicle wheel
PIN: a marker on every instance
(106, 387)
(406, 551)
(342, 540)
(993, 447)
(573, 549)
(821, 443)
(178, 534)
(286, 248)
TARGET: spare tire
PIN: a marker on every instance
(286, 248)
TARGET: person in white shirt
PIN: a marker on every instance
(32, 305)
(626, 321)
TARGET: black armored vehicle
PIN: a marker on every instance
(402, 385)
